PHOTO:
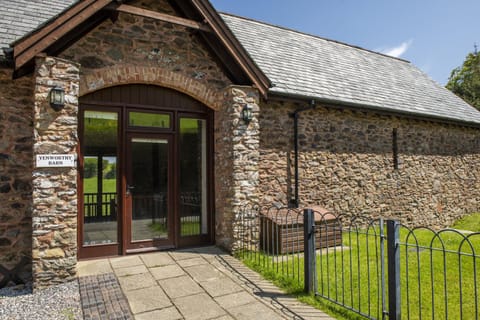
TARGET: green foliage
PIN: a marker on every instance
(110, 171)
(100, 134)
(90, 185)
(464, 81)
(90, 167)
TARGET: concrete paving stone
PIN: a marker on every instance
(180, 287)
(220, 286)
(130, 271)
(199, 307)
(235, 299)
(203, 272)
(157, 259)
(316, 317)
(211, 251)
(93, 267)
(288, 301)
(220, 265)
(166, 272)
(210, 257)
(135, 282)
(128, 261)
(308, 312)
(226, 317)
(170, 313)
(182, 255)
(267, 288)
(256, 310)
(239, 293)
(147, 299)
(192, 262)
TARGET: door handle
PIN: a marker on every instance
(129, 189)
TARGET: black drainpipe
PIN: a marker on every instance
(295, 202)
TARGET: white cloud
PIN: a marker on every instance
(397, 51)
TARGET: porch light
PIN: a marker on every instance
(247, 113)
(57, 98)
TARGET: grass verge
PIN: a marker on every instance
(438, 271)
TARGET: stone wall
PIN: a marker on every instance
(236, 161)
(54, 216)
(16, 134)
(158, 47)
(346, 164)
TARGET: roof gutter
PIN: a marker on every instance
(295, 201)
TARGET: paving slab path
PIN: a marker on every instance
(201, 283)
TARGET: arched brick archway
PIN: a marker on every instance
(120, 75)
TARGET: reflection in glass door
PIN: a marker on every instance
(100, 135)
(148, 189)
(193, 177)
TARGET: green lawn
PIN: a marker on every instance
(352, 275)
(470, 222)
(90, 185)
(186, 228)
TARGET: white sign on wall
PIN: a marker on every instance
(55, 160)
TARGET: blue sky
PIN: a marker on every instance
(435, 35)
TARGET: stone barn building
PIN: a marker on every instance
(132, 126)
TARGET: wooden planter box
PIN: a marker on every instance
(281, 232)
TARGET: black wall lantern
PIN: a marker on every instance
(57, 98)
(247, 113)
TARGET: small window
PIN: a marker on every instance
(151, 120)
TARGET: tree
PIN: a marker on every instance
(90, 167)
(464, 81)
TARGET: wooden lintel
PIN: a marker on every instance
(24, 44)
(161, 17)
(49, 35)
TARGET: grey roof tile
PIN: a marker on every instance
(317, 68)
(20, 17)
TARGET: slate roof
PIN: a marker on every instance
(19, 17)
(300, 65)
(303, 65)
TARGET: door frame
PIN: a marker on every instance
(209, 238)
(129, 245)
(89, 251)
(122, 248)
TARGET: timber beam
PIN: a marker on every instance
(125, 8)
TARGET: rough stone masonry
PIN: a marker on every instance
(54, 205)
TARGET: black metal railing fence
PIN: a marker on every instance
(375, 268)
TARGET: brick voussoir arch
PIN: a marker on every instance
(121, 75)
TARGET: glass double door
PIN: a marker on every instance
(144, 181)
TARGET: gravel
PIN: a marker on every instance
(57, 302)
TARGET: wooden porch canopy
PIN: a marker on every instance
(74, 22)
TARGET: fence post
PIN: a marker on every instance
(393, 252)
(309, 249)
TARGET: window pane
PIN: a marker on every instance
(193, 177)
(100, 177)
(150, 192)
(143, 119)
